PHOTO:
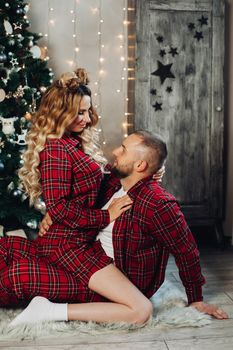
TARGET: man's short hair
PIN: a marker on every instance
(156, 145)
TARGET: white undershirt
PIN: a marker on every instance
(105, 235)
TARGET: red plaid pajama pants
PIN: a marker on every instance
(24, 274)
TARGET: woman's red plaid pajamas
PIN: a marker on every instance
(23, 275)
(70, 182)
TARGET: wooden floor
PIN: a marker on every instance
(218, 269)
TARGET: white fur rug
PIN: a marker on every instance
(169, 311)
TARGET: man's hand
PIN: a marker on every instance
(209, 309)
(45, 224)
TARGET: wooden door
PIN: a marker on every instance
(179, 94)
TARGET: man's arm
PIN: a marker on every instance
(172, 231)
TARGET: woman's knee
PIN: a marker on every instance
(142, 312)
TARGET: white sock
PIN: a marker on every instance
(41, 309)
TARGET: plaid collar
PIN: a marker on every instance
(135, 189)
(73, 140)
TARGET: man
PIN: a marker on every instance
(144, 236)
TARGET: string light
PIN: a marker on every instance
(130, 100)
(73, 12)
(50, 21)
(98, 83)
(104, 49)
(123, 46)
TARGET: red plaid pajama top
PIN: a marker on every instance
(70, 182)
(145, 235)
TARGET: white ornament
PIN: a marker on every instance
(32, 224)
(8, 125)
(24, 197)
(8, 27)
(2, 95)
(43, 89)
(11, 42)
(14, 62)
(40, 205)
(21, 138)
(17, 26)
(11, 186)
(20, 37)
(1, 144)
(36, 51)
(26, 8)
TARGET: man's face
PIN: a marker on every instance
(126, 155)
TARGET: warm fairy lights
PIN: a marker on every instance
(123, 57)
(102, 52)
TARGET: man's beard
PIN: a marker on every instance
(120, 173)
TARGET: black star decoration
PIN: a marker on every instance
(162, 53)
(153, 92)
(203, 21)
(157, 106)
(191, 26)
(173, 51)
(169, 89)
(198, 36)
(163, 71)
(159, 39)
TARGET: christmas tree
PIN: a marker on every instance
(24, 76)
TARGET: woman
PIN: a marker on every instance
(57, 167)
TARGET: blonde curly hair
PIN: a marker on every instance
(58, 109)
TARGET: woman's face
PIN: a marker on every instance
(82, 118)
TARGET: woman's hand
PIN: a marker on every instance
(159, 175)
(45, 225)
(119, 206)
